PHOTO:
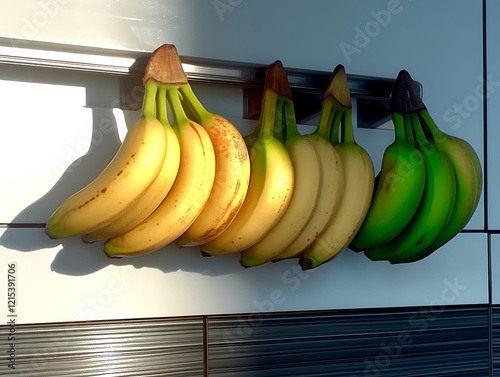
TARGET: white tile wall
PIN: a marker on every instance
(50, 118)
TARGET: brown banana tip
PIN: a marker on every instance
(305, 263)
(277, 80)
(355, 249)
(404, 96)
(50, 235)
(338, 87)
(87, 241)
(112, 256)
(165, 67)
(205, 254)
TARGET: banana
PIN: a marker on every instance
(122, 182)
(232, 174)
(398, 190)
(331, 186)
(434, 209)
(359, 177)
(187, 196)
(303, 202)
(155, 193)
(468, 174)
(270, 189)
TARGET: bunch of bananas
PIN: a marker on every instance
(309, 193)
(428, 187)
(276, 193)
(183, 182)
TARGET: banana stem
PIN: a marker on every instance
(161, 106)
(420, 137)
(178, 112)
(290, 120)
(347, 134)
(279, 132)
(399, 125)
(335, 119)
(323, 128)
(201, 114)
(268, 114)
(149, 101)
(408, 128)
(430, 124)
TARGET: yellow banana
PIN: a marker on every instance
(359, 180)
(125, 179)
(155, 193)
(232, 174)
(187, 197)
(269, 192)
(331, 186)
(303, 203)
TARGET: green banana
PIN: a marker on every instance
(469, 181)
(434, 209)
(399, 188)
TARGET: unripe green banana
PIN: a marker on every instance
(468, 174)
(435, 207)
(125, 179)
(399, 188)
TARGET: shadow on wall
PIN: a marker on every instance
(75, 257)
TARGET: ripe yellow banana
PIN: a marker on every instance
(232, 174)
(187, 197)
(359, 180)
(330, 188)
(156, 192)
(303, 203)
(125, 179)
(269, 192)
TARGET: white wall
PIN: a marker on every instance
(49, 119)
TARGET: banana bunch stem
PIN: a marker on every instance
(149, 101)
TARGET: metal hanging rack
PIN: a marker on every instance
(371, 94)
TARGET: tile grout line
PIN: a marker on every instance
(205, 346)
(485, 188)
